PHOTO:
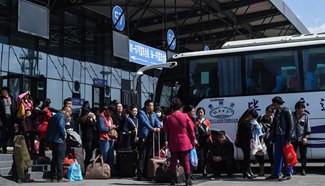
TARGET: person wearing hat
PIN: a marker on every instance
(8, 111)
(301, 132)
(221, 156)
(282, 130)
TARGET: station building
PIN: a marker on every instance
(91, 49)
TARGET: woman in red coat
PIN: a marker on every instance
(181, 138)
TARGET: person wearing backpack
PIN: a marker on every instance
(204, 138)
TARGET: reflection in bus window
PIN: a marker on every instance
(169, 91)
(272, 72)
(215, 77)
(314, 68)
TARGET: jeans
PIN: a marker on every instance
(107, 151)
(58, 153)
(279, 160)
(302, 151)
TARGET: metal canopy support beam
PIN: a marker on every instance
(182, 25)
(135, 26)
(223, 34)
(235, 4)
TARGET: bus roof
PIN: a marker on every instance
(261, 44)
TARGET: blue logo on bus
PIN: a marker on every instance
(221, 111)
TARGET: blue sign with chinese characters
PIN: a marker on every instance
(145, 55)
(171, 40)
(77, 101)
(99, 82)
(116, 14)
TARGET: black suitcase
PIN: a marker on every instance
(126, 163)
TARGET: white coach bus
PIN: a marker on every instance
(248, 74)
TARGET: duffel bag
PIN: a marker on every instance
(163, 174)
(98, 170)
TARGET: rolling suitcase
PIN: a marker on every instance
(126, 163)
(153, 163)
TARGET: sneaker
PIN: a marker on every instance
(272, 177)
(303, 172)
(285, 178)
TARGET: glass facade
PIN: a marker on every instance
(79, 49)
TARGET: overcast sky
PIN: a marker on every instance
(310, 12)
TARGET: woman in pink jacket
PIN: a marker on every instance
(181, 138)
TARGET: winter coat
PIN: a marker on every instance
(145, 125)
(180, 130)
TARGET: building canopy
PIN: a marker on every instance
(196, 23)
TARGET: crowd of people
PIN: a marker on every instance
(181, 128)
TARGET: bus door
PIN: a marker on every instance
(18, 83)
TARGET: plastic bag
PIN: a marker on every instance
(74, 172)
(290, 155)
(257, 148)
(193, 158)
(164, 153)
(68, 160)
(256, 145)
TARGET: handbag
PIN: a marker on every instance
(113, 134)
(256, 145)
(21, 110)
(163, 174)
(99, 170)
(74, 172)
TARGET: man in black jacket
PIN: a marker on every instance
(221, 156)
(8, 112)
(282, 130)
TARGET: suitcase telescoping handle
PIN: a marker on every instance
(153, 144)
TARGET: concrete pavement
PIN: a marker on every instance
(297, 180)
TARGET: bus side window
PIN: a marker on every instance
(280, 84)
(321, 81)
